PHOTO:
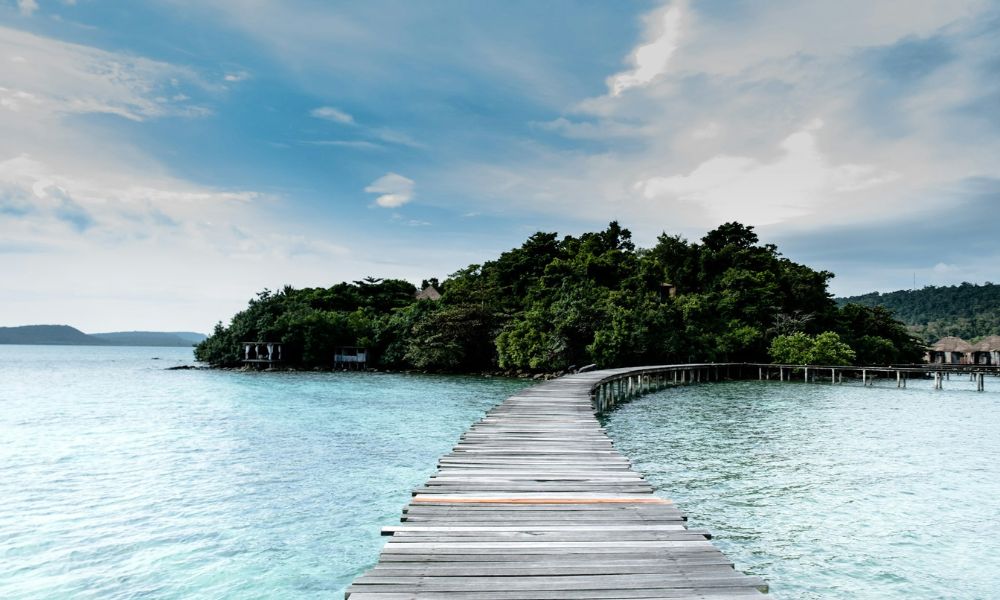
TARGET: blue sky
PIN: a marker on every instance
(163, 160)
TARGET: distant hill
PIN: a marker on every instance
(70, 336)
(190, 336)
(48, 334)
(969, 311)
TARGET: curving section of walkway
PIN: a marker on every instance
(535, 503)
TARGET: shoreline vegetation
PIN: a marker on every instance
(555, 303)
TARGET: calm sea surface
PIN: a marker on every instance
(833, 491)
(119, 479)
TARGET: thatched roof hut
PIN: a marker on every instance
(952, 344)
(428, 293)
(988, 344)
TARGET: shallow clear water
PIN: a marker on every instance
(833, 491)
(119, 479)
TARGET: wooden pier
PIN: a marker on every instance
(535, 503)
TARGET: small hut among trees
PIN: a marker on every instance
(428, 293)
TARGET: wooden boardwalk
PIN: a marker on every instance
(535, 503)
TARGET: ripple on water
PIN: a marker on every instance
(833, 491)
(122, 480)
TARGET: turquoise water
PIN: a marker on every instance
(119, 479)
(833, 491)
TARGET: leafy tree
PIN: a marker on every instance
(873, 330)
(451, 338)
(792, 349)
(553, 302)
(802, 349)
(967, 310)
(827, 349)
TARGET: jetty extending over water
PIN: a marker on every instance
(535, 502)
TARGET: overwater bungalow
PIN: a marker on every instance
(987, 351)
(950, 350)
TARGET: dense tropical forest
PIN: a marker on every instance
(596, 298)
(968, 311)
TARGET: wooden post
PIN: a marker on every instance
(806, 377)
(864, 378)
(899, 379)
(833, 376)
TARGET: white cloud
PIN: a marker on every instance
(399, 138)
(650, 60)
(394, 190)
(744, 188)
(236, 76)
(27, 7)
(707, 132)
(381, 134)
(775, 31)
(111, 204)
(329, 113)
(720, 136)
(48, 78)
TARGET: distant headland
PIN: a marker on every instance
(64, 335)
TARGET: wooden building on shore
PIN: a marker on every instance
(350, 357)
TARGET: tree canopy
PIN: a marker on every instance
(555, 302)
(968, 310)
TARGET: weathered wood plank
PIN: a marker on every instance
(535, 502)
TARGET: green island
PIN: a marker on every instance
(596, 299)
